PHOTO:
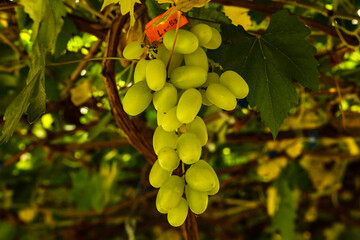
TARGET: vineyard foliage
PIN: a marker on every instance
(74, 165)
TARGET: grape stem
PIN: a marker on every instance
(173, 46)
(88, 60)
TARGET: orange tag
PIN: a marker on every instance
(155, 33)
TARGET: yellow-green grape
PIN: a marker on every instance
(159, 117)
(197, 200)
(133, 50)
(198, 127)
(205, 100)
(186, 41)
(158, 207)
(140, 70)
(137, 98)
(177, 216)
(171, 192)
(200, 178)
(166, 98)
(235, 83)
(158, 175)
(169, 121)
(215, 40)
(168, 159)
(155, 74)
(189, 105)
(203, 33)
(163, 138)
(217, 183)
(220, 96)
(197, 58)
(189, 148)
(164, 55)
(185, 77)
(212, 77)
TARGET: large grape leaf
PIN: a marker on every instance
(269, 62)
(48, 20)
(47, 16)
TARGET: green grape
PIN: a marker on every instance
(198, 127)
(156, 74)
(189, 105)
(220, 96)
(215, 40)
(189, 148)
(235, 83)
(171, 192)
(158, 207)
(203, 33)
(158, 175)
(133, 50)
(140, 70)
(177, 216)
(137, 98)
(186, 41)
(168, 159)
(164, 55)
(217, 183)
(197, 200)
(185, 77)
(169, 121)
(166, 98)
(215, 190)
(197, 58)
(159, 117)
(212, 77)
(200, 178)
(205, 100)
(163, 138)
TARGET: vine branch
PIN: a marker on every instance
(136, 135)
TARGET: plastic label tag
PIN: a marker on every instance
(155, 33)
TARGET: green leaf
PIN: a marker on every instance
(48, 20)
(108, 2)
(126, 6)
(209, 14)
(154, 9)
(284, 218)
(68, 30)
(20, 104)
(7, 230)
(101, 126)
(269, 62)
(47, 16)
(258, 17)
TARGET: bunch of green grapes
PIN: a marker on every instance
(178, 84)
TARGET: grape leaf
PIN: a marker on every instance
(285, 215)
(292, 178)
(186, 5)
(126, 6)
(258, 17)
(268, 62)
(154, 9)
(208, 14)
(48, 20)
(16, 109)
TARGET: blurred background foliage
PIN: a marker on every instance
(73, 175)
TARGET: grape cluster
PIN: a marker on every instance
(178, 90)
